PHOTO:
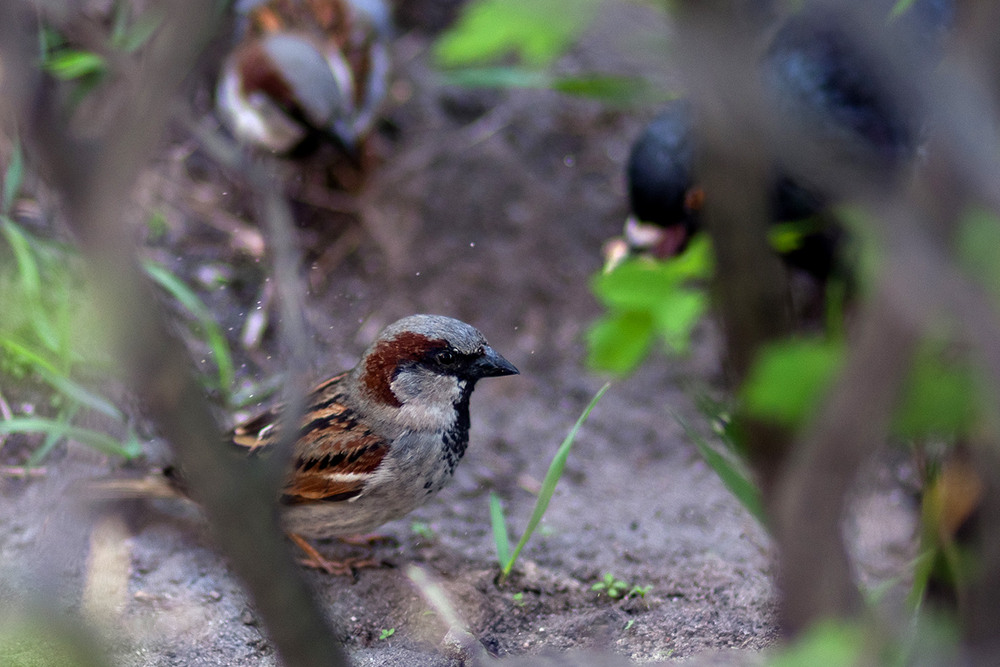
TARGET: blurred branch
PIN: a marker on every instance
(95, 170)
(815, 577)
(734, 164)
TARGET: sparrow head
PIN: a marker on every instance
(428, 361)
(663, 195)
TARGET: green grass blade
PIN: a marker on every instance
(499, 530)
(27, 267)
(54, 437)
(551, 479)
(69, 64)
(193, 304)
(81, 394)
(24, 355)
(100, 441)
(922, 567)
(732, 475)
(30, 277)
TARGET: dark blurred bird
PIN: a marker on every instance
(304, 71)
(826, 85)
(666, 200)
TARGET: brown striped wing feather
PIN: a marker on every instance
(334, 455)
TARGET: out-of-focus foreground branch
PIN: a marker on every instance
(733, 164)
(94, 171)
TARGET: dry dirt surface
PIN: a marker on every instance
(490, 207)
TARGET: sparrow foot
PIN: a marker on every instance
(314, 559)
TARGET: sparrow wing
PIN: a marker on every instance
(334, 455)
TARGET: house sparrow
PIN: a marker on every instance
(305, 70)
(377, 440)
(666, 200)
(824, 84)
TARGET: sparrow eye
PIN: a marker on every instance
(447, 358)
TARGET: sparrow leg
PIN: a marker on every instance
(367, 539)
(316, 560)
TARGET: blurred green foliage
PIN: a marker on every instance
(829, 644)
(787, 384)
(536, 31)
(648, 301)
(50, 333)
(531, 36)
(928, 640)
(977, 243)
(86, 69)
(789, 379)
(46, 313)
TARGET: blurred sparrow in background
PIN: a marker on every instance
(304, 71)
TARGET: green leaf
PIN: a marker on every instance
(497, 77)
(642, 285)
(827, 643)
(733, 474)
(677, 314)
(551, 479)
(538, 31)
(635, 285)
(71, 64)
(499, 531)
(99, 441)
(619, 341)
(788, 379)
(788, 236)
(939, 398)
(645, 299)
(609, 88)
(978, 239)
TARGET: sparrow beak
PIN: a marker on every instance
(491, 364)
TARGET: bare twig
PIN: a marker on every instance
(21, 471)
